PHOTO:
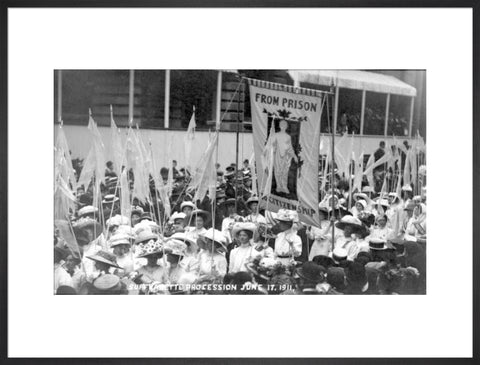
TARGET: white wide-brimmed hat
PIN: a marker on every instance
(247, 226)
(215, 235)
(177, 215)
(89, 209)
(187, 204)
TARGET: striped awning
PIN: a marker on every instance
(354, 79)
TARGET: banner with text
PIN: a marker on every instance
(286, 138)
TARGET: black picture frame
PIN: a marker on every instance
(4, 199)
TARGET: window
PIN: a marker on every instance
(399, 115)
(327, 111)
(190, 88)
(149, 97)
(374, 119)
(95, 89)
(349, 110)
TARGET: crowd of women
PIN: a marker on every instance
(367, 242)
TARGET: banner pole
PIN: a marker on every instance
(332, 178)
(236, 150)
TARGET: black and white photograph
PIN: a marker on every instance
(240, 182)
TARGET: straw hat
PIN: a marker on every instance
(118, 220)
(247, 226)
(107, 282)
(110, 199)
(120, 239)
(339, 254)
(126, 229)
(145, 236)
(187, 204)
(151, 248)
(177, 215)
(252, 199)
(87, 210)
(137, 210)
(350, 221)
(105, 257)
(362, 202)
(379, 245)
(285, 215)
(182, 237)
(360, 196)
(216, 236)
(175, 247)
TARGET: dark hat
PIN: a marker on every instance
(230, 168)
(230, 201)
(324, 261)
(356, 274)
(105, 257)
(336, 277)
(85, 199)
(65, 290)
(378, 244)
(399, 244)
(312, 272)
(146, 215)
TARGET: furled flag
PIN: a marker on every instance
(117, 150)
(251, 164)
(368, 172)
(189, 140)
(406, 169)
(357, 182)
(125, 204)
(208, 180)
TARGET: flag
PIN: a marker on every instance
(368, 172)
(99, 150)
(251, 163)
(125, 204)
(189, 140)
(208, 180)
(63, 159)
(406, 169)
(136, 162)
(64, 199)
(117, 150)
(357, 182)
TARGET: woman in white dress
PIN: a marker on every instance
(322, 236)
(198, 219)
(211, 258)
(243, 254)
(381, 231)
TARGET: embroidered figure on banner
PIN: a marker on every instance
(287, 162)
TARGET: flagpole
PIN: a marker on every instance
(332, 178)
(236, 151)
